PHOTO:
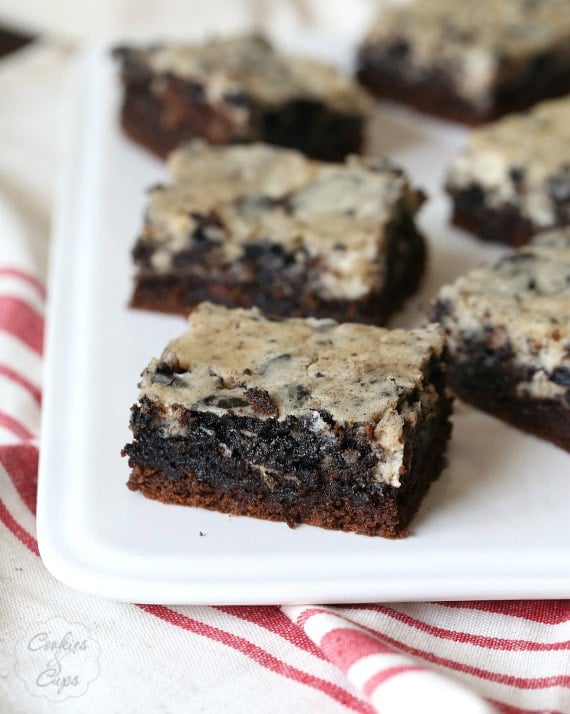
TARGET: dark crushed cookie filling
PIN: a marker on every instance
(260, 400)
(282, 470)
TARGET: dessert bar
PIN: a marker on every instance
(508, 334)
(342, 426)
(513, 178)
(262, 225)
(239, 89)
(468, 61)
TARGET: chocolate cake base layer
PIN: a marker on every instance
(499, 225)
(161, 125)
(488, 380)
(172, 295)
(276, 283)
(282, 470)
(387, 76)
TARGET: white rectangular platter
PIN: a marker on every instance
(495, 525)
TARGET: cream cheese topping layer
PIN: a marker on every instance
(240, 66)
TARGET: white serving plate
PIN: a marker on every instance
(495, 525)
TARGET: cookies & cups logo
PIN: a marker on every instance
(57, 659)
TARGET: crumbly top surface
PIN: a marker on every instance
(523, 158)
(205, 175)
(476, 37)
(241, 169)
(336, 212)
(249, 65)
(523, 299)
(510, 27)
(355, 372)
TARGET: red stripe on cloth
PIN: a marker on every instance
(16, 529)
(493, 643)
(508, 709)
(26, 277)
(272, 619)
(547, 612)
(345, 646)
(22, 321)
(259, 655)
(380, 677)
(499, 678)
(15, 427)
(308, 612)
(14, 376)
(21, 464)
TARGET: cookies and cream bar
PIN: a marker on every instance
(508, 335)
(261, 225)
(342, 426)
(469, 61)
(513, 178)
(239, 89)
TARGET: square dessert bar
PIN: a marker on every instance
(239, 89)
(508, 334)
(342, 426)
(469, 61)
(265, 226)
(513, 178)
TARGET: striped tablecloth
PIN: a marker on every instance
(64, 651)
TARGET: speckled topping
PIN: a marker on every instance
(474, 42)
(521, 302)
(240, 170)
(360, 375)
(521, 160)
(337, 213)
(248, 66)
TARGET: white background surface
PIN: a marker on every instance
(495, 525)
